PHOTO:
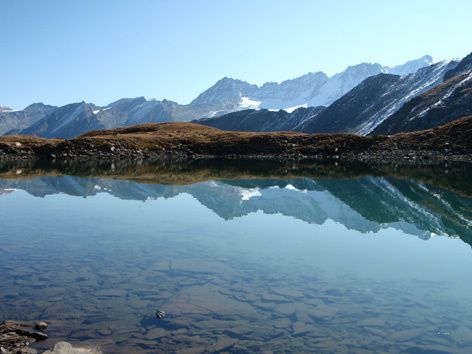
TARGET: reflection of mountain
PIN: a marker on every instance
(366, 204)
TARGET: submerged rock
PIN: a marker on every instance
(67, 348)
(160, 314)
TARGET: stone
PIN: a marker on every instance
(67, 348)
(40, 326)
(37, 335)
(160, 314)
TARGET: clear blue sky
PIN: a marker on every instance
(58, 51)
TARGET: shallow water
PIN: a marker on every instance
(305, 263)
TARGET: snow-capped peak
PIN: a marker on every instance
(411, 66)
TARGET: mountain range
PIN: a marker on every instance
(364, 99)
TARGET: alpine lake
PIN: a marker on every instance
(242, 256)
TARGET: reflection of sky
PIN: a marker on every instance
(275, 241)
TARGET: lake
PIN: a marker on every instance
(243, 256)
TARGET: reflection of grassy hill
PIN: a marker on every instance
(452, 176)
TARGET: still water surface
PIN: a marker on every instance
(369, 263)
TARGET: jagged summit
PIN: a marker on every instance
(412, 66)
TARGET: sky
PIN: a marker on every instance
(58, 52)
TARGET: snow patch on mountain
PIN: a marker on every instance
(247, 103)
(294, 108)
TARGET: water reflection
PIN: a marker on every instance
(361, 197)
(243, 257)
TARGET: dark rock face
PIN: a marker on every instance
(263, 120)
(447, 102)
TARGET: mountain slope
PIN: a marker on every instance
(443, 104)
(374, 100)
(463, 67)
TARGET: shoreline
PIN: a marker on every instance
(408, 157)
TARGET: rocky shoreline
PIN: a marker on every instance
(16, 338)
(170, 141)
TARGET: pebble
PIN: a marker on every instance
(160, 314)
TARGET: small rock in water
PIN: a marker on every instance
(67, 348)
(40, 326)
(160, 314)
